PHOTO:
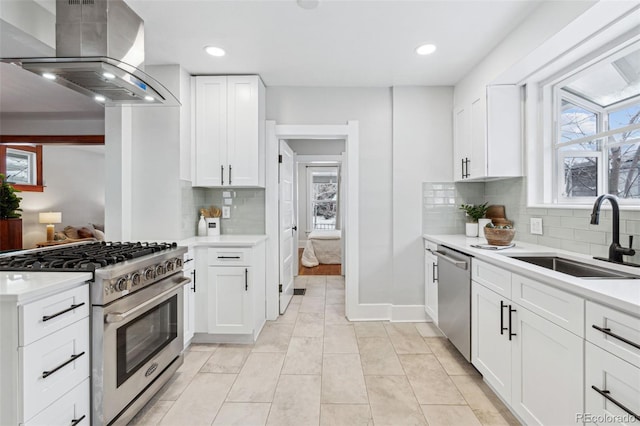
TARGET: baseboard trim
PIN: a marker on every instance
(388, 312)
(223, 338)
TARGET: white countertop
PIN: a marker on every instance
(21, 287)
(622, 294)
(225, 240)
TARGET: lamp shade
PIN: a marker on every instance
(50, 217)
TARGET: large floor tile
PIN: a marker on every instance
(335, 297)
(152, 413)
(340, 339)
(452, 360)
(290, 315)
(227, 359)
(300, 281)
(342, 379)
(309, 325)
(406, 339)
(428, 329)
(335, 281)
(370, 329)
(345, 415)
(378, 357)
(200, 402)
(316, 280)
(392, 401)
(334, 314)
(304, 356)
(202, 347)
(315, 290)
(450, 415)
(484, 403)
(258, 378)
(242, 414)
(193, 362)
(312, 305)
(430, 382)
(274, 337)
(296, 401)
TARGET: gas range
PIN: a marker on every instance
(119, 268)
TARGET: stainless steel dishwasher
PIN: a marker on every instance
(454, 298)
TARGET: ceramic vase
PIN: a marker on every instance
(471, 229)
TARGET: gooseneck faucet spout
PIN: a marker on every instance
(615, 249)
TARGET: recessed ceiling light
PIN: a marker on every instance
(49, 76)
(426, 49)
(215, 51)
(308, 4)
(100, 98)
(108, 75)
(149, 98)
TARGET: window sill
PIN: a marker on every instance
(28, 188)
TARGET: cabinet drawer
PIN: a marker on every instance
(224, 256)
(492, 277)
(72, 409)
(52, 357)
(53, 313)
(557, 306)
(618, 380)
(615, 326)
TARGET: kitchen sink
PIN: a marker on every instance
(574, 268)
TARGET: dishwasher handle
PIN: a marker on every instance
(458, 263)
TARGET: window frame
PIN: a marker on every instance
(310, 199)
(34, 150)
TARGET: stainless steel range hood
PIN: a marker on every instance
(100, 53)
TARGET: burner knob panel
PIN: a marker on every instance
(121, 284)
(135, 279)
(149, 274)
(160, 270)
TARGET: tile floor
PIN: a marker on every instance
(313, 367)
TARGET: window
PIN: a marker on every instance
(323, 197)
(597, 133)
(22, 165)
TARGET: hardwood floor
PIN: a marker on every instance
(317, 270)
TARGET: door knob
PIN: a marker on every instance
(294, 227)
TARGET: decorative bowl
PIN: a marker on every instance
(499, 237)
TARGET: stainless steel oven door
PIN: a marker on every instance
(142, 335)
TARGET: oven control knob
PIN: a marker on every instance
(135, 279)
(178, 262)
(149, 274)
(170, 265)
(159, 270)
(121, 284)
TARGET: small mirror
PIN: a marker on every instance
(22, 166)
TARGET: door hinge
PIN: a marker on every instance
(280, 158)
(280, 288)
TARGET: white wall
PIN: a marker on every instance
(74, 179)
(49, 124)
(372, 108)
(422, 148)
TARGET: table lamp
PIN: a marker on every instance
(50, 218)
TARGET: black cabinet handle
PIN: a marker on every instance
(502, 327)
(608, 332)
(228, 257)
(187, 261)
(606, 393)
(511, 310)
(221, 175)
(70, 308)
(434, 271)
(246, 279)
(74, 422)
(194, 280)
(229, 174)
(46, 374)
(462, 168)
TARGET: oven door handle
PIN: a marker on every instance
(121, 316)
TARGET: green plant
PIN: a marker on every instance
(475, 212)
(9, 201)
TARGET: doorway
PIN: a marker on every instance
(347, 207)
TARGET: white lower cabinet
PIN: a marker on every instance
(189, 298)
(431, 284)
(533, 364)
(72, 409)
(229, 300)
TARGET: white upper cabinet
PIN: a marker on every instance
(488, 135)
(229, 131)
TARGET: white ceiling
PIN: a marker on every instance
(341, 43)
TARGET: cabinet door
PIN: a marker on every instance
(431, 286)
(243, 136)
(491, 349)
(189, 306)
(478, 119)
(211, 131)
(229, 300)
(461, 142)
(547, 366)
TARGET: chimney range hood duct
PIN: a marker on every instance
(100, 53)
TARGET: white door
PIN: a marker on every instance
(288, 240)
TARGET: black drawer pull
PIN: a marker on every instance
(70, 308)
(606, 393)
(228, 257)
(511, 310)
(608, 332)
(74, 422)
(502, 327)
(46, 374)
(188, 260)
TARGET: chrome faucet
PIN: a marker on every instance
(615, 249)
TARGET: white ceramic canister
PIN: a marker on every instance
(213, 226)
(471, 229)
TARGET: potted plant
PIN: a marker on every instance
(474, 212)
(10, 221)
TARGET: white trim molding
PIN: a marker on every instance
(389, 312)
